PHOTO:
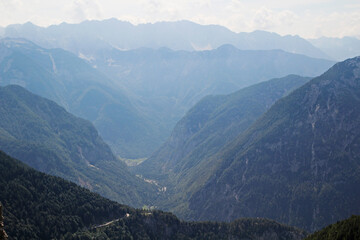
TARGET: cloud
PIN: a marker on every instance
(267, 19)
(86, 9)
(307, 18)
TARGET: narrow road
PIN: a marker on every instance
(108, 223)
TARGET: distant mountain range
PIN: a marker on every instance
(141, 94)
(72, 83)
(338, 48)
(39, 206)
(43, 135)
(167, 83)
(90, 36)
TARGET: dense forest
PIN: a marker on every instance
(45, 136)
(341, 230)
(39, 206)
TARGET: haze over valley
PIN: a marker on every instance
(189, 125)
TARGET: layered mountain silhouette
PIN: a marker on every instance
(299, 163)
(72, 83)
(43, 135)
(39, 206)
(165, 83)
(88, 36)
(144, 92)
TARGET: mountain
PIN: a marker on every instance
(345, 229)
(182, 164)
(299, 163)
(72, 83)
(145, 91)
(43, 135)
(39, 206)
(338, 48)
(166, 83)
(85, 37)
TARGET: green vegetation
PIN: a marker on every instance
(160, 225)
(183, 164)
(348, 229)
(82, 90)
(299, 163)
(43, 135)
(39, 206)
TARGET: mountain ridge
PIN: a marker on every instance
(183, 163)
(42, 134)
(289, 157)
(188, 36)
(71, 82)
(167, 83)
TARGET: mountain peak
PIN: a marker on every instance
(227, 47)
(345, 71)
(355, 62)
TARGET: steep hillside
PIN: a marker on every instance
(299, 163)
(182, 163)
(342, 230)
(43, 135)
(39, 206)
(82, 90)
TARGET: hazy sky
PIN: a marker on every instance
(307, 18)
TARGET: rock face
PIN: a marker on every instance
(299, 163)
(3, 235)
